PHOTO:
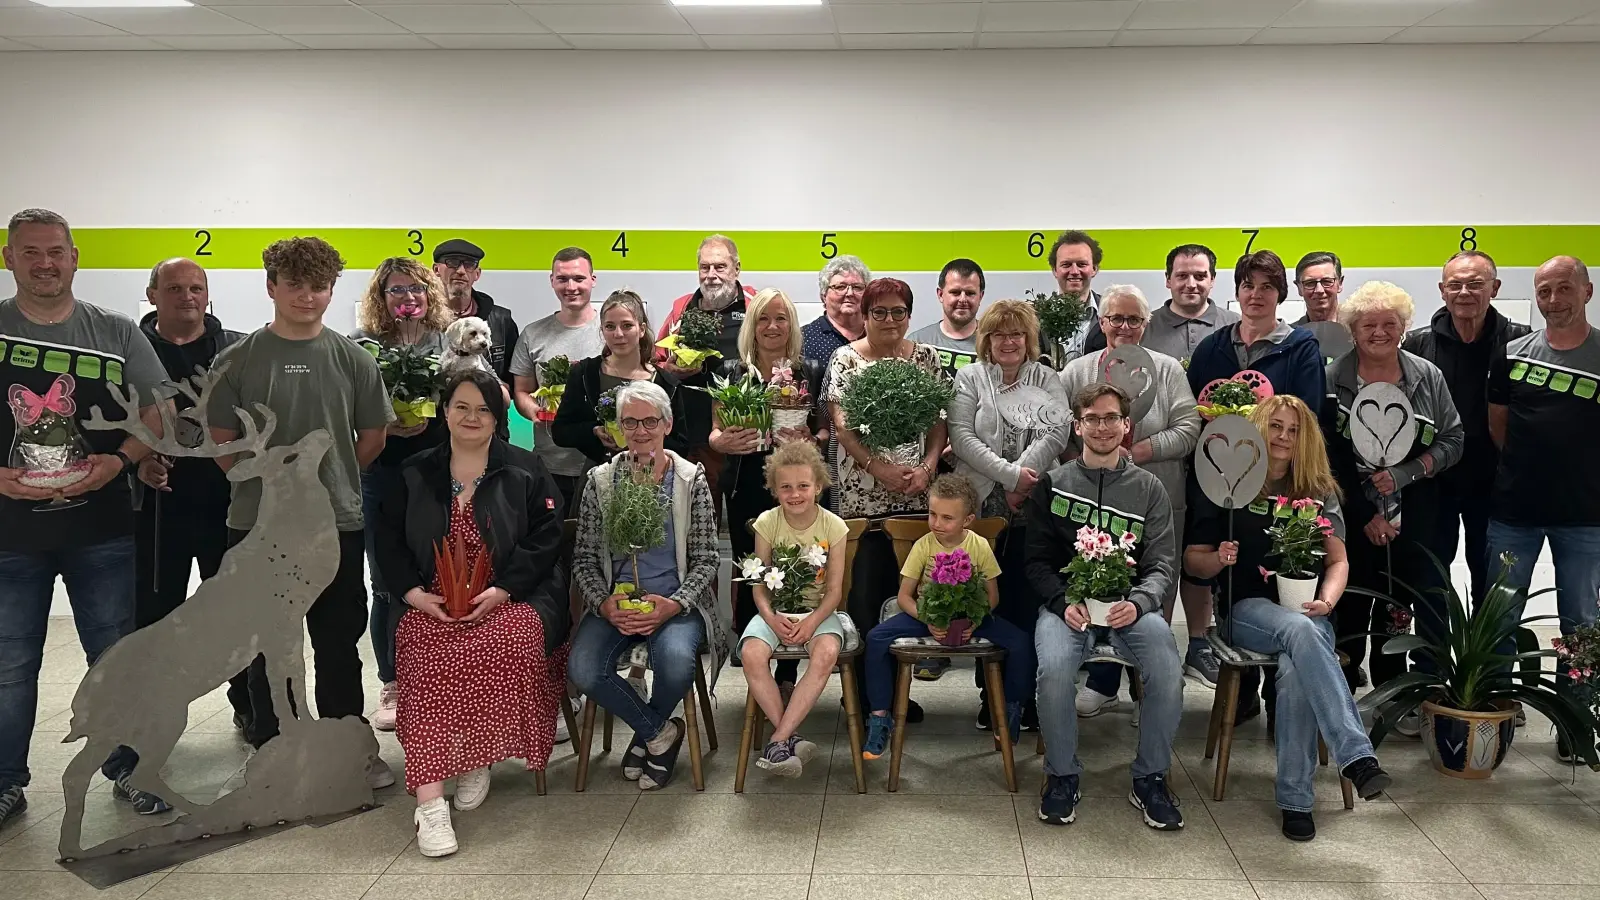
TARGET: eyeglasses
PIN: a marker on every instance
(1457, 287)
(1324, 283)
(459, 262)
(1124, 321)
(857, 289)
(1008, 337)
(897, 313)
(402, 290)
(648, 424)
(1100, 421)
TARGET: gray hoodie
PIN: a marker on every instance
(1125, 498)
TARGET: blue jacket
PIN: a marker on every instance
(1294, 366)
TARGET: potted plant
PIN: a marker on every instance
(693, 340)
(606, 410)
(1060, 317)
(1101, 574)
(411, 376)
(459, 580)
(891, 404)
(743, 403)
(790, 398)
(954, 597)
(1236, 396)
(1579, 654)
(1470, 698)
(635, 520)
(789, 578)
(553, 375)
(1297, 531)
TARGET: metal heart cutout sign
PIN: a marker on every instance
(1332, 338)
(1382, 424)
(1130, 368)
(1230, 462)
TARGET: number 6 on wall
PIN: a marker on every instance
(829, 248)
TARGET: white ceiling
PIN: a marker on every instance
(840, 24)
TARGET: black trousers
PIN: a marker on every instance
(1468, 505)
(571, 488)
(336, 622)
(1018, 603)
(167, 545)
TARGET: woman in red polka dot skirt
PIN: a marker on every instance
(485, 686)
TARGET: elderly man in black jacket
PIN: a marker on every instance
(1461, 340)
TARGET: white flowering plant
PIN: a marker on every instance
(791, 576)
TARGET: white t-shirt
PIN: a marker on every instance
(541, 342)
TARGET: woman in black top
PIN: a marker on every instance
(1311, 696)
(626, 357)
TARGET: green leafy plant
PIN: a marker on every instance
(790, 578)
(553, 374)
(694, 338)
(1060, 317)
(635, 517)
(743, 402)
(1298, 531)
(1471, 671)
(955, 589)
(1103, 567)
(894, 402)
(411, 376)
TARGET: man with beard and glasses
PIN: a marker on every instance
(459, 265)
(955, 335)
(720, 293)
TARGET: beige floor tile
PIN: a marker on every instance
(671, 834)
(54, 699)
(912, 835)
(1252, 771)
(63, 664)
(1064, 888)
(945, 764)
(1107, 756)
(1301, 890)
(363, 844)
(826, 716)
(61, 630)
(1580, 781)
(516, 835)
(1515, 843)
(700, 887)
(59, 885)
(1536, 891)
(1374, 842)
(36, 849)
(919, 887)
(249, 887)
(1517, 780)
(41, 804)
(482, 887)
(1110, 839)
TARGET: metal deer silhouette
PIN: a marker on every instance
(137, 694)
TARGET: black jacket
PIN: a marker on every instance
(811, 370)
(576, 420)
(515, 506)
(1466, 371)
(197, 484)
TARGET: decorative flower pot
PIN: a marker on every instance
(1100, 610)
(1294, 593)
(790, 417)
(958, 634)
(1467, 744)
(615, 431)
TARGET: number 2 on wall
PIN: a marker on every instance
(205, 243)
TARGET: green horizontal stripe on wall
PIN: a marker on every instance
(1378, 246)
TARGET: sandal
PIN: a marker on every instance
(633, 760)
(658, 768)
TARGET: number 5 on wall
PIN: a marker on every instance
(829, 248)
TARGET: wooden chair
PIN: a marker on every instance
(903, 532)
(569, 536)
(1219, 734)
(755, 721)
(635, 662)
(1107, 652)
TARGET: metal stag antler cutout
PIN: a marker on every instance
(1381, 423)
(1231, 462)
(1130, 368)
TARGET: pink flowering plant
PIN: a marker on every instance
(955, 589)
(1579, 652)
(1297, 532)
(1103, 567)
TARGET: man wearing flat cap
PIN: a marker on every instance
(458, 264)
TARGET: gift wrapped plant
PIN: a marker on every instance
(791, 398)
(606, 410)
(553, 375)
(411, 376)
(693, 340)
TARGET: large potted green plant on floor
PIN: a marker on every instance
(1469, 700)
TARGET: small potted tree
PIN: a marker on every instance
(955, 597)
(635, 520)
(1060, 317)
(1101, 574)
(1298, 529)
(891, 405)
(1469, 698)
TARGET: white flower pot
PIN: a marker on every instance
(1100, 610)
(1295, 593)
(790, 417)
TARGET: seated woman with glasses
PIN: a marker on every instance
(1160, 442)
(676, 577)
(404, 306)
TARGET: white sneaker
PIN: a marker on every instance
(562, 735)
(379, 775)
(388, 707)
(1092, 703)
(1409, 725)
(435, 836)
(472, 789)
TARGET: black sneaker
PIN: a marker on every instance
(13, 802)
(1564, 751)
(144, 803)
(1058, 805)
(1151, 795)
(1030, 716)
(1298, 826)
(913, 712)
(1368, 777)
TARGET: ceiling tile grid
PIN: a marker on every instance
(253, 25)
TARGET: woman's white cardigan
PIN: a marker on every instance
(977, 431)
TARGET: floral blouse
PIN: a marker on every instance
(858, 494)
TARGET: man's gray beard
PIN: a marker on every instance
(721, 297)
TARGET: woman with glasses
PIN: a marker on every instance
(482, 686)
(629, 346)
(1161, 442)
(677, 578)
(404, 306)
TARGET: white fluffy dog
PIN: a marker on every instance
(466, 345)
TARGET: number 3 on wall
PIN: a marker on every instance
(416, 247)
(829, 248)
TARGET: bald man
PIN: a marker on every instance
(1544, 415)
(183, 517)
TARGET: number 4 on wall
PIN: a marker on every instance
(620, 245)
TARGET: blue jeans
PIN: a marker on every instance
(374, 482)
(1574, 550)
(99, 581)
(879, 663)
(674, 653)
(1148, 641)
(1312, 694)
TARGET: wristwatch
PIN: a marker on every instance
(128, 464)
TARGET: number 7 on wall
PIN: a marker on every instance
(1254, 233)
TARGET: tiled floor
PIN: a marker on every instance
(953, 831)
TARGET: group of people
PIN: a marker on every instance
(1495, 403)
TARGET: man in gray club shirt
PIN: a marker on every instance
(955, 335)
(1179, 325)
(570, 331)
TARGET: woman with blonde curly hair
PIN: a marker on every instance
(404, 306)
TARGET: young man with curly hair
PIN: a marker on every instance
(313, 378)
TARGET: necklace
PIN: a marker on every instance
(457, 487)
